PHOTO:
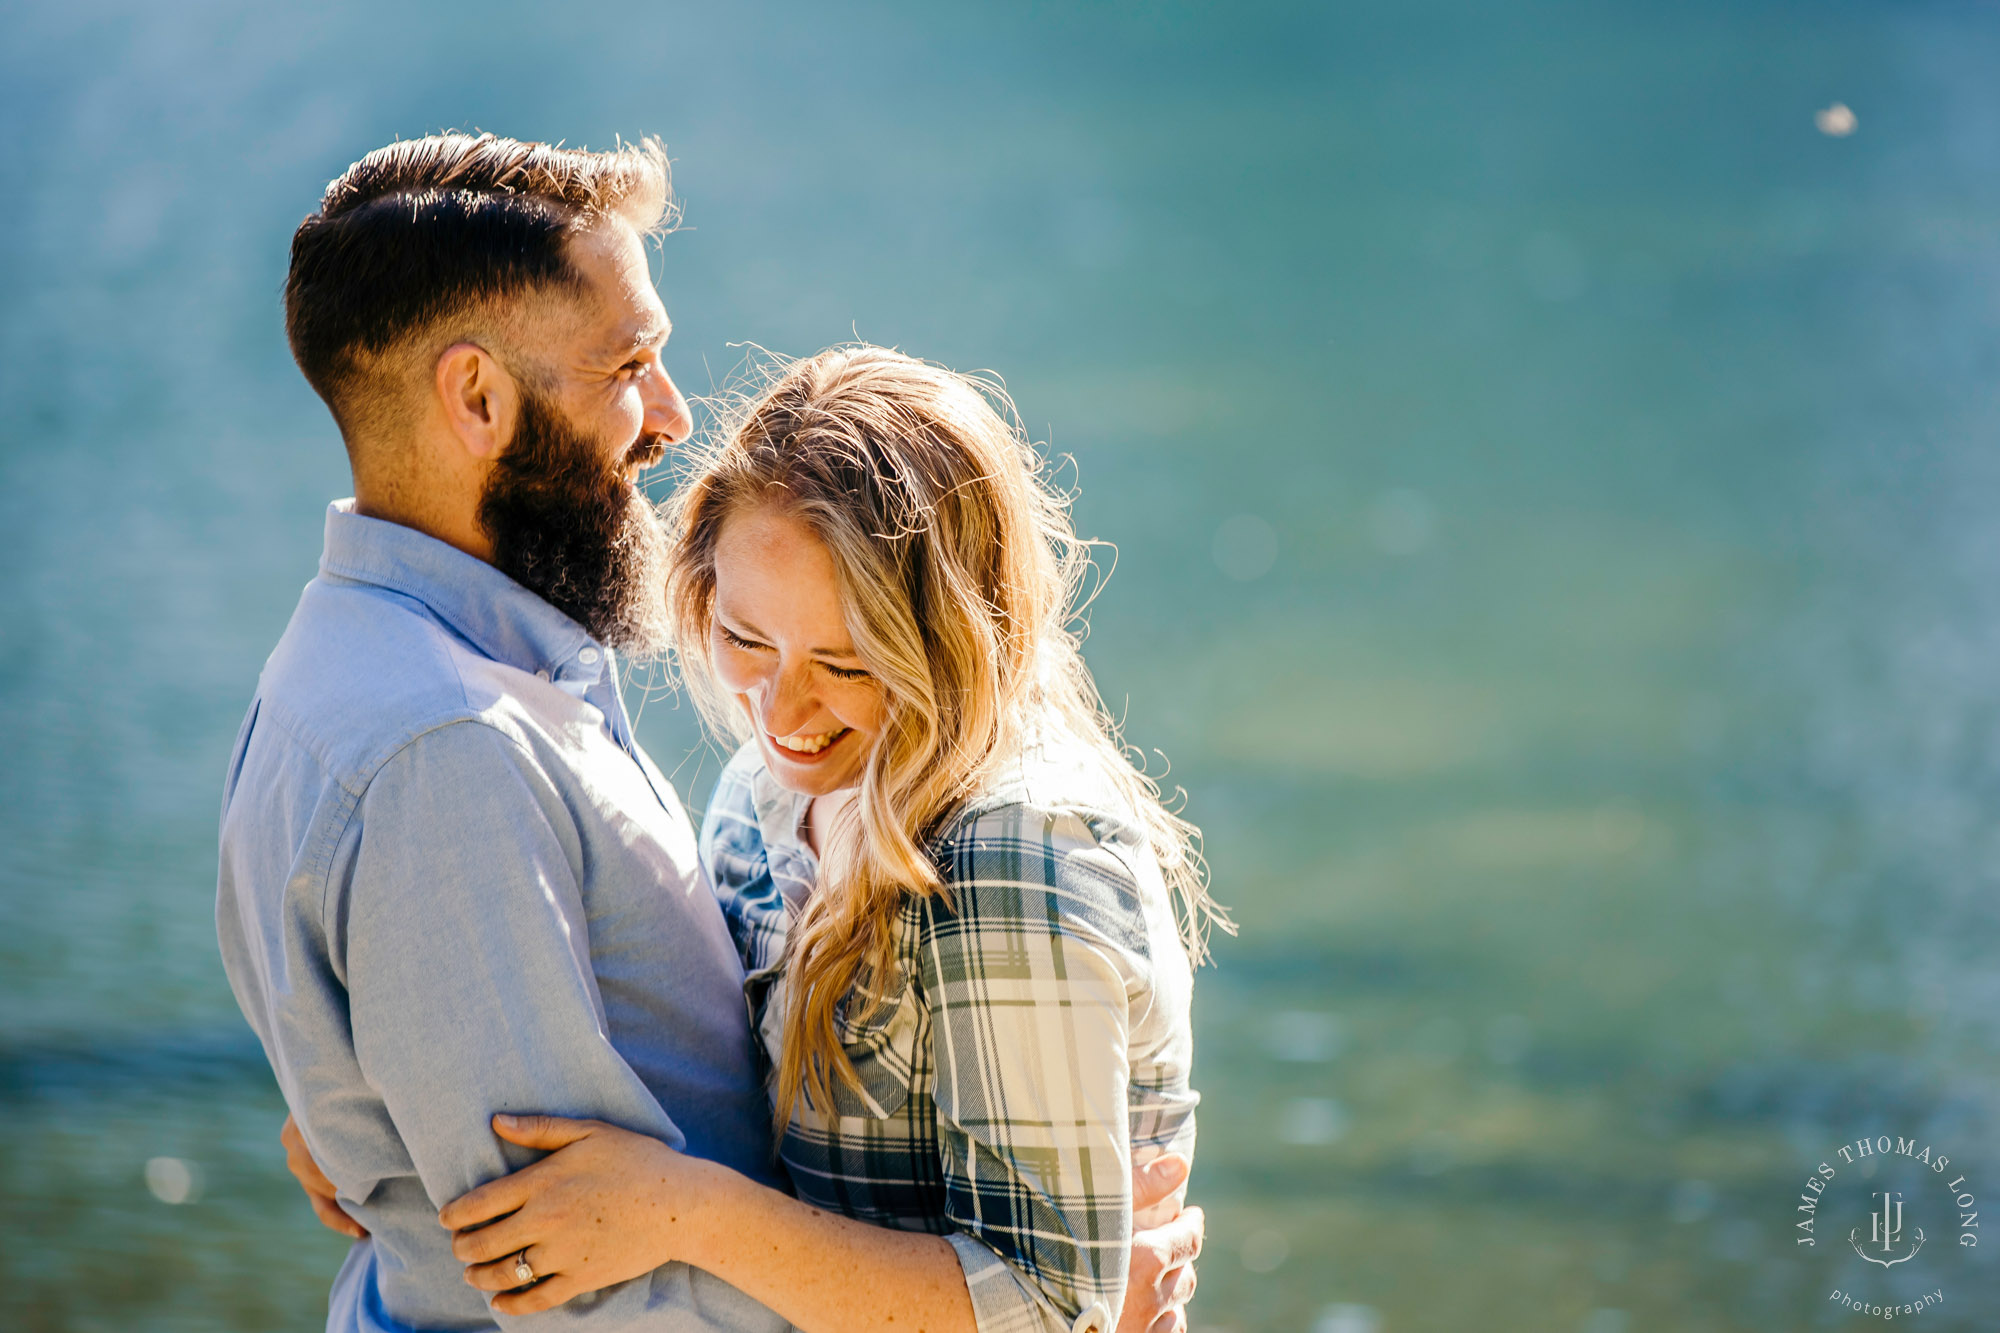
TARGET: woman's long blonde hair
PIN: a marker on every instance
(960, 574)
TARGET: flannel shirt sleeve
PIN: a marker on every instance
(1030, 967)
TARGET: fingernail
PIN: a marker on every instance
(1176, 1169)
(510, 1121)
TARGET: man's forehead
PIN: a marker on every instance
(627, 314)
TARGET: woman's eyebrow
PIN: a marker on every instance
(734, 623)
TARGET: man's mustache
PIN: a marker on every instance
(646, 451)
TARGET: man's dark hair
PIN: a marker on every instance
(421, 232)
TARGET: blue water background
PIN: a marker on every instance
(1558, 550)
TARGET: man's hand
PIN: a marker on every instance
(314, 1182)
(1165, 1240)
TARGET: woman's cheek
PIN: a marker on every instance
(864, 710)
(737, 675)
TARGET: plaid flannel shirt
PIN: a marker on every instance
(1034, 1040)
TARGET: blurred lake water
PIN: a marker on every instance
(1553, 480)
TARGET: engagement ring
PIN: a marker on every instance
(523, 1271)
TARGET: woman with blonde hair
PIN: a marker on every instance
(968, 923)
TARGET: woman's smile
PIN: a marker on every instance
(807, 749)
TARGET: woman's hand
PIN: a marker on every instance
(603, 1207)
(319, 1190)
(1166, 1238)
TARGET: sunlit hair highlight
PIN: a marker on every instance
(961, 576)
(420, 237)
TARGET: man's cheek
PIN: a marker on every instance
(629, 421)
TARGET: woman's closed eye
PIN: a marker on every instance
(735, 640)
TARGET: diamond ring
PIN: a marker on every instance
(524, 1272)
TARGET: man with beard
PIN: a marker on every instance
(451, 882)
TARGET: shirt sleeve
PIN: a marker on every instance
(461, 930)
(1029, 971)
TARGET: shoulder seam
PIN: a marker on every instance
(355, 793)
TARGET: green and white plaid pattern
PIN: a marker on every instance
(1035, 1037)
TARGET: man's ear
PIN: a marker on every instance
(480, 399)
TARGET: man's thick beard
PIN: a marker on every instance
(567, 526)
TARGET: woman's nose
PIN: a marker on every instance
(790, 704)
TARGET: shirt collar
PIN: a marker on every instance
(490, 611)
(781, 815)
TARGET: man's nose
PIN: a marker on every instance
(666, 411)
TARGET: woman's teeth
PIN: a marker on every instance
(810, 744)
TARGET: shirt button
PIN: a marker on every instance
(588, 655)
(543, 674)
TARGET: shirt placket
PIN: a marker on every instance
(601, 692)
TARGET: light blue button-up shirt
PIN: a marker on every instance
(451, 885)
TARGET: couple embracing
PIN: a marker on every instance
(901, 1040)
